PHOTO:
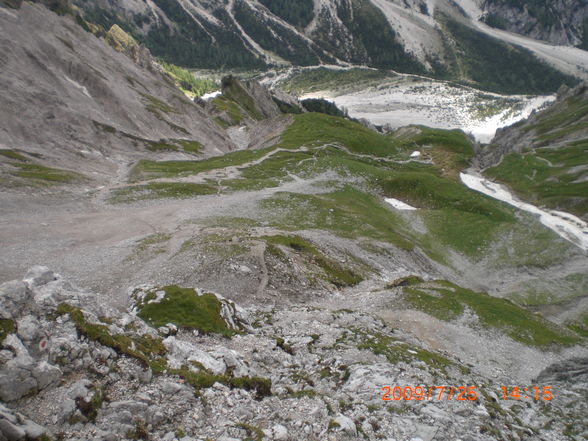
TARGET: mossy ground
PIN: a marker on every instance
(551, 177)
(146, 349)
(36, 174)
(159, 190)
(447, 301)
(6, 327)
(334, 272)
(396, 351)
(186, 309)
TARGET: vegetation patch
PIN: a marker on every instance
(185, 308)
(46, 175)
(157, 190)
(146, 349)
(447, 301)
(6, 327)
(552, 177)
(312, 129)
(346, 212)
(491, 64)
(396, 351)
(188, 82)
(155, 105)
(168, 169)
(334, 272)
(322, 78)
(12, 154)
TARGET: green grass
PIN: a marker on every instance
(335, 273)
(347, 212)
(230, 108)
(396, 351)
(155, 105)
(556, 120)
(6, 327)
(186, 80)
(186, 309)
(169, 169)
(532, 177)
(160, 190)
(235, 92)
(312, 80)
(11, 154)
(174, 145)
(447, 301)
(312, 129)
(46, 175)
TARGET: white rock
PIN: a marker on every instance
(346, 424)
(279, 432)
(38, 276)
(28, 327)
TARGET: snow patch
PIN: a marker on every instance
(211, 95)
(399, 205)
(79, 86)
(565, 225)
(411, 101)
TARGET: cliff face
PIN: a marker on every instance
(70, 99)
(561, 22)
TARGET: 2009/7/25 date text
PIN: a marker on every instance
(418, 393)
(461, 393)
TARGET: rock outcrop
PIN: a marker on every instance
(284, 374)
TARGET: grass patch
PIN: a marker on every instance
(152, 240)
(446, 301)
(254, 433)
(547, 176)
(334, 272)
(6, 327)
(155, 105)
(347, 212)
(318, 79)
(232, 110)
(169, 169)
(46, 175)
(396, 351)
(187, 82)
(313, 129)
(158, 190)
(11, 154)
(186, 309)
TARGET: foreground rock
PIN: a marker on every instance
(75, 369)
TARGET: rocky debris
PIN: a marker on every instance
(294, 373)
(14, 426)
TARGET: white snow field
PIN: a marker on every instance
(399, 205)
(412, 100)
(566, 225)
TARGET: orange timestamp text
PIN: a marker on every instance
(418, 393)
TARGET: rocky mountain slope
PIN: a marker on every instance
(563, 23)
(72, 103)
(544, 157)
(441, 38)
(270, 292)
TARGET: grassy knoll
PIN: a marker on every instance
(447, 301)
